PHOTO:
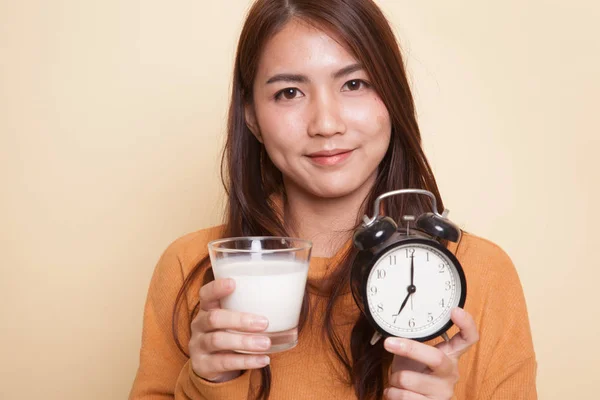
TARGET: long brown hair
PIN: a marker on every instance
(252, 182)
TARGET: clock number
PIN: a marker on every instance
(380, 307)
(441, 268)
(442, 303)
(381, 273)
(448, 285)
(393, 260)
(429, 317)
(411, 323)
(427, 256)
(409, 252)
(373, 289)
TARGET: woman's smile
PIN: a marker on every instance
(330, 157)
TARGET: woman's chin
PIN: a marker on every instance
(335, 190)
(338, 186)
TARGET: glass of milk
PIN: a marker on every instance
(270, 275)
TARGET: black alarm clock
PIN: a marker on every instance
(405, 281)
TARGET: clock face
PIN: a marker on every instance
(419, 309)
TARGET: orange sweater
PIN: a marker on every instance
(501, 365)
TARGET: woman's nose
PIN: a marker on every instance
(326, 119)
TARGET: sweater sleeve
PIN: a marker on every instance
(191, 386)
(164, 372)
(515, 382)
(505, 336)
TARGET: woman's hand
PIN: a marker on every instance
(211, 345)
(420, 371)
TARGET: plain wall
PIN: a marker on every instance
(112, 116)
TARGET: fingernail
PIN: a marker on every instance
(259, 322)
(228, 283)
(459, 311)
(265, 360)
(396, 343)
(261, 342)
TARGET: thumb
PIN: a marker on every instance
(465, 338)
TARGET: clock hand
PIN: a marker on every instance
(412, 269)
(412, 277)
(402, 306)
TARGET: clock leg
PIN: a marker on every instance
(375, 338)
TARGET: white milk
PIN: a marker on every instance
(273, 288)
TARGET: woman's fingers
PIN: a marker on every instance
(401, 394)
(218, 318)
(442, 362)
(214, 340)
(435, 359)
(430, 386)
(212, 292)
(223, 341)
(467, 335)
(212, 366)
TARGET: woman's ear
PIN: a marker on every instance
(251, 123)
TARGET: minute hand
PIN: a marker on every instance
(412, 276)
(412, 269)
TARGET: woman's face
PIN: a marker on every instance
(321, 122)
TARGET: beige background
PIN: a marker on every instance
(111, 118)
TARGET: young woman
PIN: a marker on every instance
(321, 122)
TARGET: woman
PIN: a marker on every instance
(321, 122)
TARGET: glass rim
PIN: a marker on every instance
(212, 245)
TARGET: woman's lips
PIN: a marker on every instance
(330, 157)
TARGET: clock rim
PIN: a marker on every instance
(403, 242)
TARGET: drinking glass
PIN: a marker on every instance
(270, 276)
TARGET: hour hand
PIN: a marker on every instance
(402, 306)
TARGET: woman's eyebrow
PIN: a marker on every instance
(299, 78)
(294, 78)
(347, 70)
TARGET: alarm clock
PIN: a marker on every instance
(405, 281)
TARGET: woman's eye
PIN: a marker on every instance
(355, 84)
(288, 94)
